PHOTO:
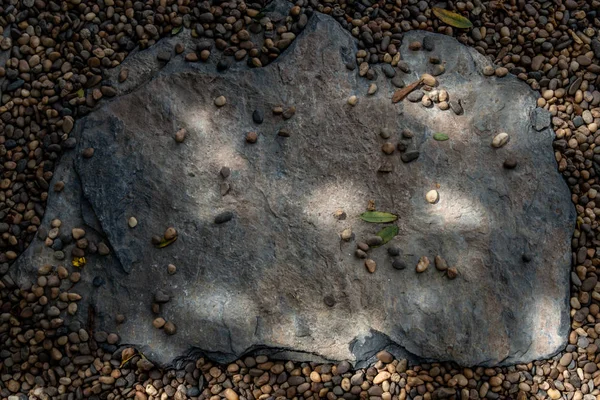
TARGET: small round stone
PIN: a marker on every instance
(370, 265)
(360, 254)
(432, 196)
(375, 240)
(399, 264)
(372, 89)
(170, 233)
(394, 251)
(452, 272)
(329, 301)
(339, 214)
(258, 117)
(132, 222)
(510, 163)
(155, 240)
(158, 323)
(251, 137)
(429, 80)
(88, 152)
(388, 148)
(501, 72)
(59, 186)
(171, 269)
(352, 100)
(180, 135)
(500, 140)
(488, 70)
(220, 101)
(346, 234)
(363, 246)
(440, 264)
(170, 328)
(423, 264)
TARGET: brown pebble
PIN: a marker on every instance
(59, 186)
(180, 135)
(510, 163)
(170, 328)
(191, 57)
(371, 265)
(251, 137)
(416, 45)
(289, 112)
(422, 264)
(88, 153)
(452, 272)
(388, 148)
(440, 263)
(123, 75)
(501, 72)
(170, 233)
(385, 357)
(158, 322)
(171, 269)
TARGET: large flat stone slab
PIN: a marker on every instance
(267, 278)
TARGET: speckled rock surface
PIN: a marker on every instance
(277, 276)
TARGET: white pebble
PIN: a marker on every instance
(432, 196)
(132, 222)
(372, 89)
(500, 140)
(352, 100)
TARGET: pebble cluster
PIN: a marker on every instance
(54, 55)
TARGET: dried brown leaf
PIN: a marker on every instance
(402, 93)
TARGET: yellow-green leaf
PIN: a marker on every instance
(378, 217)
(165, 242)
(80, 93)
(440, 136)
(125, 361)
(388, 233)
(176, 30)
(452, 18)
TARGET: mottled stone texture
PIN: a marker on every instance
(259, 281)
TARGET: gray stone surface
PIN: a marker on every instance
(258, 282)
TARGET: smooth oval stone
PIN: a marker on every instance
(258, 116)
(225, 216)
(399, 264)
(500, 140)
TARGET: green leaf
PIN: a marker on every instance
(176, 30)
(452, 18)
(165, 242)
(80, 93)
(388, 233)
(440, 136)
(378, 217)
